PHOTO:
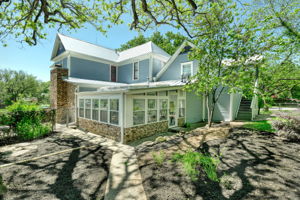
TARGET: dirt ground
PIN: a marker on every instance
(69, 172)
(254, 165)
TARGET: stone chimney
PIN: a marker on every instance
(62, 95)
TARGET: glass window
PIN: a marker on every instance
(81, 107)
(138, 111)
(95, 109)
(181, 108)
(152, 110)
(186, 70)
(114, 111)
(104, 110)
(135, 71)
(88, 108)
(163, 109)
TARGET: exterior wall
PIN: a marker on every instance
(62, 95)
(138, 132)
(87, 69)
(63, 63)
(222, 109)
(157, 65)
(236, 100)
(105, 130)
(174, 70)
(125, 72)
(194, 108)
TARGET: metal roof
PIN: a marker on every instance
(85, 48)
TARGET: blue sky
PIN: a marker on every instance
(36, 59)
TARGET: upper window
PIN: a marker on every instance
(135, 70)
(186, 69)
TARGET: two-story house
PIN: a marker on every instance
(127, 95)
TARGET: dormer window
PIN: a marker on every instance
(135, 70)
(187, 69)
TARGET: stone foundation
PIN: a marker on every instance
(105, 130)
(181, 121)
(138, 132)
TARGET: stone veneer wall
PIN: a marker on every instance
(62, 95)
(105, 130)
(181, 121)
(138, 132)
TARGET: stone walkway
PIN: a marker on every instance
(124, 181)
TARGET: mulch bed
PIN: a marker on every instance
(254, 165)
(75, 174)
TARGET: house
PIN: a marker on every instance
(127, 95)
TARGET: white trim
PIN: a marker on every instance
(138, 73)
(69, 65)
(91, 58)
(150, 68)
(186, 63)
(61, 56)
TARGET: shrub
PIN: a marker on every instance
(159, 157)
(287, 126)
(192, 160)
(4, 118)
(27, 120)
(187, 125)
(31, 129)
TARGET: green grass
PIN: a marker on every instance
(264, 125)
(191, 160)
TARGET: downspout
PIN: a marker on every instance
(123, 118)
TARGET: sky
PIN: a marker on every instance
(35, 60)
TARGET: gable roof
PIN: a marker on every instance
(112, 55)
(173, 57)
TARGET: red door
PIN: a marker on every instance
(113, 73)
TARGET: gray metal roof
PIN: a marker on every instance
(85, 48)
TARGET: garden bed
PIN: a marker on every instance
(253, 165)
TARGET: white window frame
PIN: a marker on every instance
(101, 109)
(185, 63)
(138, 71)
(110, 110)
(152, 109)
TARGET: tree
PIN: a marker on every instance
(274, 82)
(168, 42)
(18, 84)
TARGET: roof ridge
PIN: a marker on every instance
(87, 42)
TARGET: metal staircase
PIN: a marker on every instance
(245, 112)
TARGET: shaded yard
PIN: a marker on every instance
(253, 165)
(76, 169)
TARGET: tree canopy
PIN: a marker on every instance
(18, 84)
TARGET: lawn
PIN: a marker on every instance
(264, 125)
(253, 165)
(58, 167)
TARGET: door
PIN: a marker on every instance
(113, 73)
(172, 110)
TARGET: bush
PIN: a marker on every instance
(287, 126)
(192, 160)
(187, 125)
(27, 120)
